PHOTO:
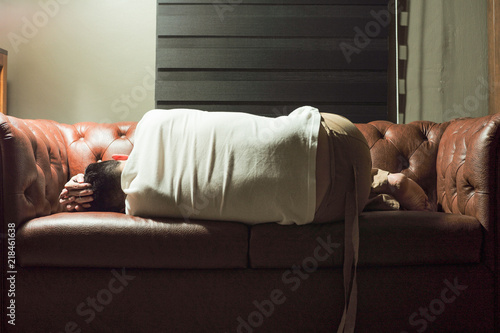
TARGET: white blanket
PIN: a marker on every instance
(224, 166)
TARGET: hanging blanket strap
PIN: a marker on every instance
(351, 251)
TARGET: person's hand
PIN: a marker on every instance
(76, 195)
(407, 192)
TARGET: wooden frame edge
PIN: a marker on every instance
(3, 82)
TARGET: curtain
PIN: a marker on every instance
(447, 68)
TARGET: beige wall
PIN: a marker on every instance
(73, 61)
(447, 60)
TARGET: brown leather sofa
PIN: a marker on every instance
(108, 272)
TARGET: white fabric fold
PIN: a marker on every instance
(224, 166)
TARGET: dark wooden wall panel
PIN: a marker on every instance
(271, 54)
(263, 56)
(274, 87)
(355, 113)
(279, 2)
(261, 20)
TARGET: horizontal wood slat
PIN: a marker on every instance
(357, 88)
(232, 53)
(267, 21)
(275, 2)
(286, 76)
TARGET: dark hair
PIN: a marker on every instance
(105, 178)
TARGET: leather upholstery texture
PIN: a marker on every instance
(34, 168)
(386, 238)
(118, 240)
(404, 256)
(468, 176)
(410, 149)
(154, 300)
(91, 142)
(39, 156)
(467, 167)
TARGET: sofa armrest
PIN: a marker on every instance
(468, 174)
(33, 168)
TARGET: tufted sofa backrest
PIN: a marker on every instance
(44, 154)
(410, 149)
(91, 142)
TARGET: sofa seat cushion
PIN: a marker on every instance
(118, 240)
(387, 238)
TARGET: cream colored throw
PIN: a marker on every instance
(231, 166)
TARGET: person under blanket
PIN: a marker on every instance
(101, 186)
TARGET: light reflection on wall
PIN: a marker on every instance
(69, 60)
